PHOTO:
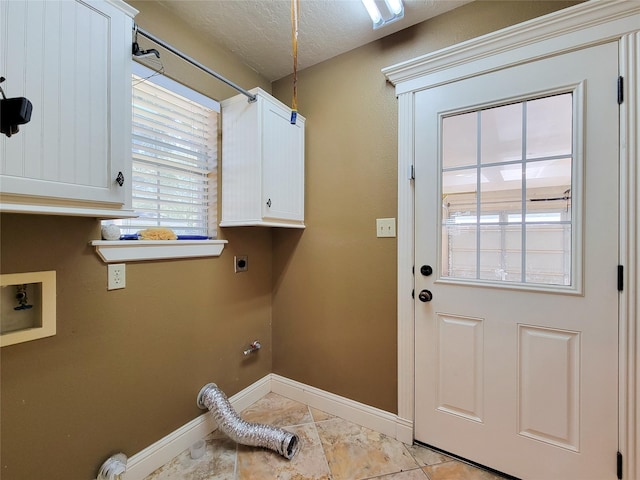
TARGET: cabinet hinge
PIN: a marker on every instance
(619, 465)
(412, 173)
(620, 278)
(620, 90)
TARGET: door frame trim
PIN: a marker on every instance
(580, 26)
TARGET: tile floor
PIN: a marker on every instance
(331, 448)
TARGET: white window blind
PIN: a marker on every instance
(174, 157)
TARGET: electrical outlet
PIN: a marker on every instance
(240, 263)
(116, 276)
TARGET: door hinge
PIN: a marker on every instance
(412, 173)
(620, 278)
(619, 465)
(620, 90)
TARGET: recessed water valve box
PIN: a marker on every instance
(27, 306)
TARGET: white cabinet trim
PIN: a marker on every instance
(125, 7)
(67, 211)
(260, 223)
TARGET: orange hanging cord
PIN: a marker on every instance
(295, 12)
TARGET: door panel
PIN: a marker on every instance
(460, 366)
(516, 354)
(549, 390)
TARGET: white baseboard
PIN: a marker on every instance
(163, 451)
(364, 415)
(404, 430)
(154, 456)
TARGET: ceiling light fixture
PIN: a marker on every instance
(394, 7)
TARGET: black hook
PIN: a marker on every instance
(135, 48)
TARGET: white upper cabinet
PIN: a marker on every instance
(262, 163)
(72, 60)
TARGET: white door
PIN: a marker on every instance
(517, 214)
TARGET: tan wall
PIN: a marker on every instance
(125, 366)
(157, 20)
(334, 304)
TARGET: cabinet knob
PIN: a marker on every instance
(269, 203)
(120, 179)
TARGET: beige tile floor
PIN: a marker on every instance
(331, 448)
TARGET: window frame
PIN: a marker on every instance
(185, 91)
(576, 261)
(111, 251)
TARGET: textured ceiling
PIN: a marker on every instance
(259, 31)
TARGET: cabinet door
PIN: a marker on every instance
(283, 164)
(71, 60)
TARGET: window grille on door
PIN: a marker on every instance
(507, 192)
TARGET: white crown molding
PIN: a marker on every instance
(571, 28)
(125, 7)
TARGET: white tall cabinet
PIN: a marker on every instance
(262, 163)
(72, 60)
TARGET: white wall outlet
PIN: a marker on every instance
(386, 227)
(116, 276)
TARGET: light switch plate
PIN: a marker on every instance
(386, 227)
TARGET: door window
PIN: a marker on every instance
(507, 193)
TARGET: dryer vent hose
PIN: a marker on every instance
(246, 433)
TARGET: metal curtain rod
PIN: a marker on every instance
(153, 38)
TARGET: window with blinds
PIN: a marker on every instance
(174, 157)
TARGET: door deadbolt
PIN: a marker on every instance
(425, 296)
(426, 270)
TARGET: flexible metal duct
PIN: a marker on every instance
(113, 467)
(246, 433)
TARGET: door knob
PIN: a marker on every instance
(425, 296)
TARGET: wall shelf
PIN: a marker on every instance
(144, 250)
